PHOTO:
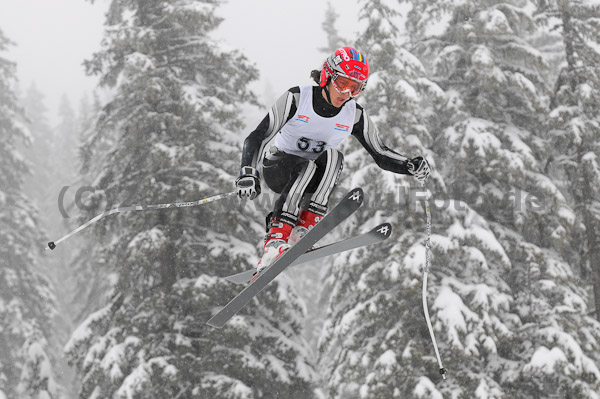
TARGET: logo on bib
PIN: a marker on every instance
(303, 118)
(341, 127)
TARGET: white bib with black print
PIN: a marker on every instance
(308, 134)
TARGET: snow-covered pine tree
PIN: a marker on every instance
(51, 157)
(172, 132)
(575, 125)
(26, 299)
(375, 344)
(494, 157)
(502, 294)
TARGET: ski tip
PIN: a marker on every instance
(213, 324)
(218, 320)
(241, 278)
(385, 229)
(356, 194)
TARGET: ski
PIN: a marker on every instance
(349, 204)
(377, 234)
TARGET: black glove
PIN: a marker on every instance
(419, 168)
(248, 184)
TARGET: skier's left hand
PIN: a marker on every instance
(419, 168)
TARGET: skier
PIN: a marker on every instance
(300, 135)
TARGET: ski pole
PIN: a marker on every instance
(53, 244)
(425, 271)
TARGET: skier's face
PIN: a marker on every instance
(337, 99)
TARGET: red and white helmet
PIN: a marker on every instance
(349, 64)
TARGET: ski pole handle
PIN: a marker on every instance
(53, 244)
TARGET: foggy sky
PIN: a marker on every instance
(54, 37)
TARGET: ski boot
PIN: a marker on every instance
(306, 221)
(276, 243)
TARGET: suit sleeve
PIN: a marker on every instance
(281, 112)
(367, 134)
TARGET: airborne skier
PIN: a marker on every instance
(300, 134)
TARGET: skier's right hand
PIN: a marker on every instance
(248, 184)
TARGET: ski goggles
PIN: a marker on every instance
(345, 84)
